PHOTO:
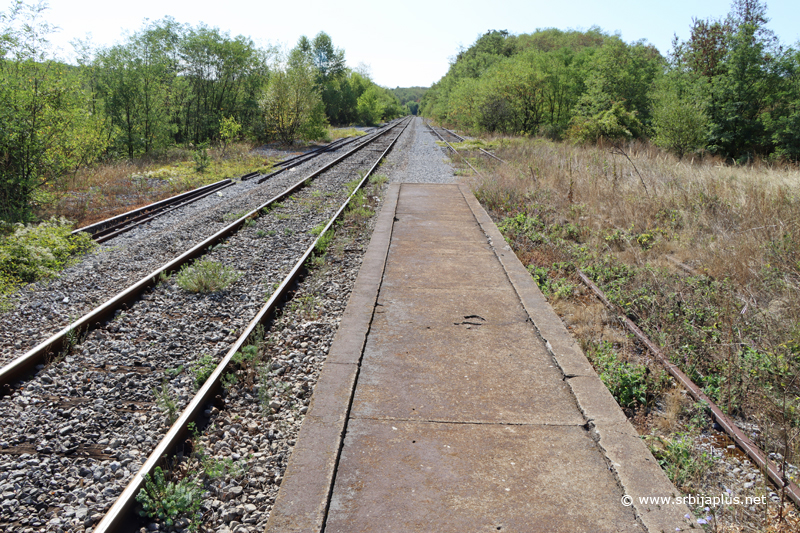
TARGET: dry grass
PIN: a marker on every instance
(705, 257)
(111, 188)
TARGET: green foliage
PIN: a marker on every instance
(169, 500)
(203, 369)
(680, 461)
(166, 402)
(246, 356)
(206, 276)
(292, 106)
(229, 129)
(201, 158)
(47, 129)
(614, 124)
(34, 252)
(627, 382)
(680, 123)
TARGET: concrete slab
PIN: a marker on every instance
(473, 408)
(441, 229)
(451, 373)
(416, 477)
(446, 307)
(413, 269)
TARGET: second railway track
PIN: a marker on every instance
(75, 433)
(47, 307)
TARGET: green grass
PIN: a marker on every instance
(206, 277)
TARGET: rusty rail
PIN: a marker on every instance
(749, 447)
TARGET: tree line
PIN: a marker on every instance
(166, 84)
(731, 88)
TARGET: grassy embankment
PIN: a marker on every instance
(730, 320)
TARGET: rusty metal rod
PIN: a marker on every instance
(459, 137)
(450, 146)
(749, 447)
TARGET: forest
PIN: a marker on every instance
(164, 85)
(731, 89)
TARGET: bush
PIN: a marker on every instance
(206, 276)
(34, 252)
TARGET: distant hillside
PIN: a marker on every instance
(410, 97)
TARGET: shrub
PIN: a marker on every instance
(34, 252)
(206, 276)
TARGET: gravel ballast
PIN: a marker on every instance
(72, 436)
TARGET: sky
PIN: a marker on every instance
(405, 43)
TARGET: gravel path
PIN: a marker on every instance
(418, 159)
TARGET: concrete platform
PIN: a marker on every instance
(453, 398)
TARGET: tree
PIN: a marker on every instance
(291, 105)
(680, 123)
(46, 128)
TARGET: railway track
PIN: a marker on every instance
(453, 137)
(78, 431)
(131, 256)
(109, 228)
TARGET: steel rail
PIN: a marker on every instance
(367, 139)
(460, 138)
(147, 217)
(101, 226)
(27, 362)
(119, 513)
(315, 151)
(750, 448)
(450, 146)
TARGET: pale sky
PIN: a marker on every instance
(405, 43)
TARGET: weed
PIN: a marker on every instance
(203, 369)
(201, 158)
(229, 380)
(246, 356)
(682, 463)
(172, 372)
(35, 252)
(305, 305)
(272, 233)
(378, 179)
(166, 402)
(206, 276)
(287, 231)
(261, 234)
(218, 468)
(169, 500)
(627, 382)
(228, 217)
